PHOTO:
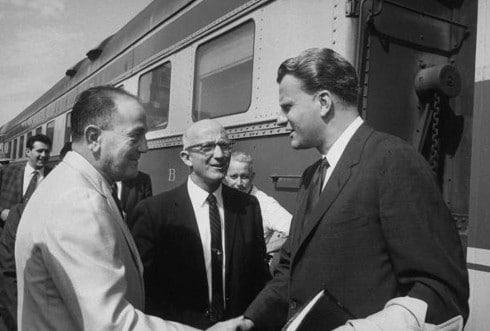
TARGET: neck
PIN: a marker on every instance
(209, 187)
(336, 126)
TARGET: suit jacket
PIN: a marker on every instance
(11, 185)
(77, 265)
(380, 230)
(8, 278)
(134, 190)
(166, 233)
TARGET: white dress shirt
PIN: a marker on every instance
(337, 149)
(198, 198)
(28, 173)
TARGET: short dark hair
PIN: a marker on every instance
(38, 137)
(323, 69)
(95, 106)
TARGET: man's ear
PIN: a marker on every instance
(92, 137)
(326, 102)
(184, 156)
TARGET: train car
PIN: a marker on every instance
(193, 59)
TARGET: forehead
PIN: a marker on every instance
(238, 167)
(204, 133)
(37, 145)
(130, 114)
(291, 88)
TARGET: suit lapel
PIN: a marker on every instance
(230, 221)
(337, 181)
(183, 214)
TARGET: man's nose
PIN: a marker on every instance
(218, 152)
(281, 119)
(143, 145)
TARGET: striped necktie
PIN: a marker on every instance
(32, 186)
(217, 302)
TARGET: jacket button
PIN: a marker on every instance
(293, 305)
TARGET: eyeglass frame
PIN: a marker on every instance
(225, 145)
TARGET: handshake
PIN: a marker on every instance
(238, 323)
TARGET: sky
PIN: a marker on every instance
(41, 39)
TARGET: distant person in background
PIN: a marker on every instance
(18, 183)
(276, 219)
(77, 265)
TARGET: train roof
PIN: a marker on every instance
(148, 19)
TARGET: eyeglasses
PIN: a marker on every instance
(209, 147)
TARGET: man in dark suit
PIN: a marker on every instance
(133, 190)
(371, 226)
(14, 181)
(201, 243)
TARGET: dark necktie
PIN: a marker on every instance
(217, 302)
(316, 185)
(32, 186)
(116, 198)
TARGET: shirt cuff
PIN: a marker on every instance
(402, 313)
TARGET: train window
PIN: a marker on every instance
(39, 130)
(14, 150)
(154, 93)
(9, 149)
(50, 130)
(223, 80)
(21, 146)
(68, 127)
(29, 134)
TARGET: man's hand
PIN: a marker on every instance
(239, 324)
(4, 214)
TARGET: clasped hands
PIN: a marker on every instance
(235, 324)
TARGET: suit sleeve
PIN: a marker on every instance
(269, 310)
(423, 242)
(262, 266)
(85, 261)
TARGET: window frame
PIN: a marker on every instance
(142, 76)
(195, 94)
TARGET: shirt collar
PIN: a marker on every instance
(335, 152)
(29, 170)
(200, 196)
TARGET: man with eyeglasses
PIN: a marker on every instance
(201, 243)
(77, 265)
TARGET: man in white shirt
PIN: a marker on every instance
(202, 243)
(371, 226)
(276, 219)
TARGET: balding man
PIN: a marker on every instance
(77, 265)
(201, 243)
